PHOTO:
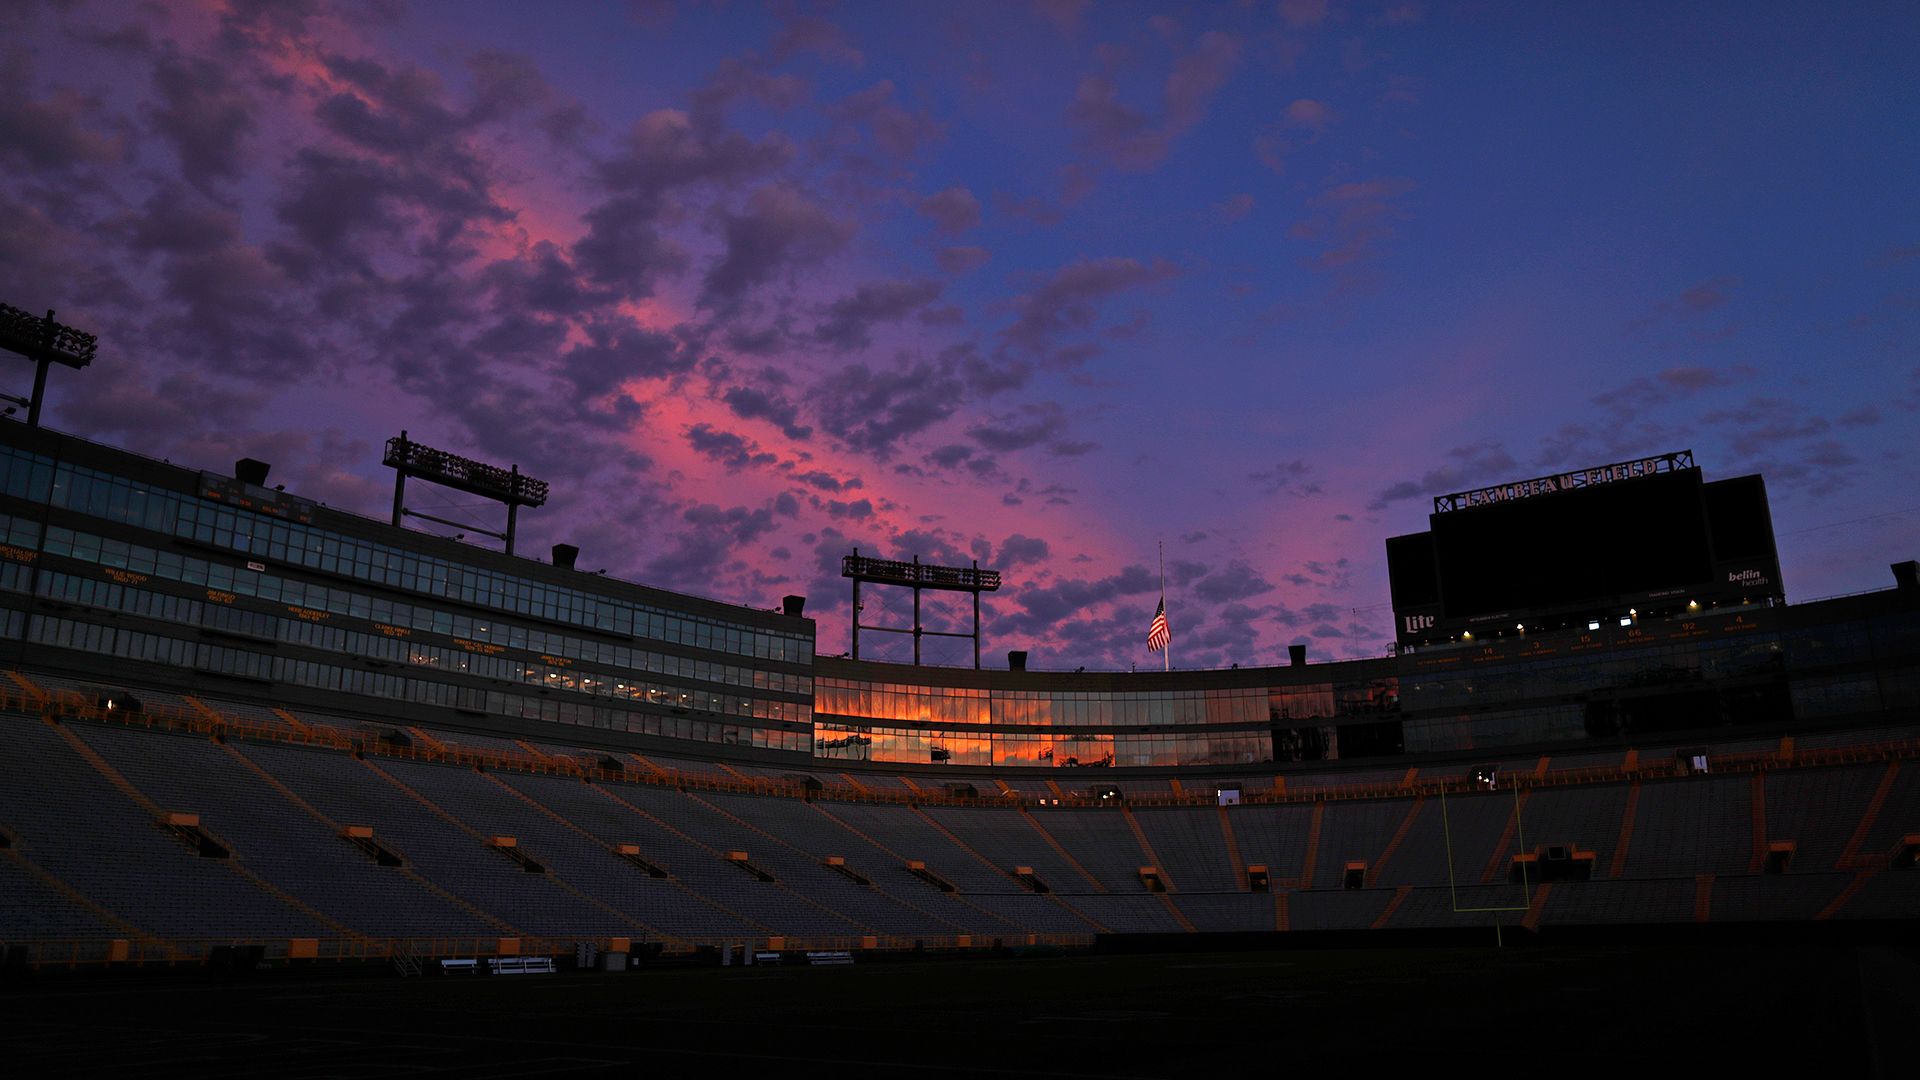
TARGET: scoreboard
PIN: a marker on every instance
(1645, 535)
(260, 500)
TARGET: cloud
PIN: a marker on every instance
(1183, 571)
(1032, 208)
(1043, 607)
(1128, 138)
(619, 349)
(397, 111)
(51, 133)
(1314, 116)
(948, 456)
(815, 35)
(962, 260)
(987, 378)
(1403, 90)
(401, 176)
(857, 510)
(1271, 151)
(1063, 14)
(172, 222)
(1234, 208)
(738, 523)
(1815, 466)
(540, 279)
(1705, 296)
(744, 78)
(1351, 222)
(1690, 303)
(1471, 464)
(663, 154)
(204, 114)
(623, 249)
(1019, 550)
(706, 542)
(953, 211)
(504, 84)
(143, 416)
(1761, 423)
(725, 447)
(665, 151)
(899, 132)
(1029, 426)
(1196, 77)
(1235, 581)
(1289, 477)
(826, 481)
(233, 310)
(1303, 13)
(850, 320)
(1112, 129)
(873, 410)
(754, 403)
(781, 229)
(1673, 384)
(1069, 299)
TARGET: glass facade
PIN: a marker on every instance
(836, 741)
(129, 644)
(1039, 728)
(118, 499)
(480, 634)
(259, 617)
(1037, 708)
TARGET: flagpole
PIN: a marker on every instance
(1166, 654)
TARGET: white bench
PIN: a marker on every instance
(521, 965)
(468, 966)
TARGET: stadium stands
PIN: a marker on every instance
(188, 823)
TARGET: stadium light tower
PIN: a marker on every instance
(510, 486)
(917, 576)
(46, 343)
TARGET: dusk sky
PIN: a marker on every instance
(1039, 284)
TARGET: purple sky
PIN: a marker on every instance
(1039, 284)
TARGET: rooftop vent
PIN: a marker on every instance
(249, 471)
(1017, 660)
(564, 556)
(793, 605)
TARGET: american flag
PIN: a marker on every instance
(1159, 635)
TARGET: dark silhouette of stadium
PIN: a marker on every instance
(243, 730)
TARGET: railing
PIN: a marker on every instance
(68, 704)
(77, 953)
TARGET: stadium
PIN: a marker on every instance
(475, 753)
(252, 736)
(245, 731)
(871, 350)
